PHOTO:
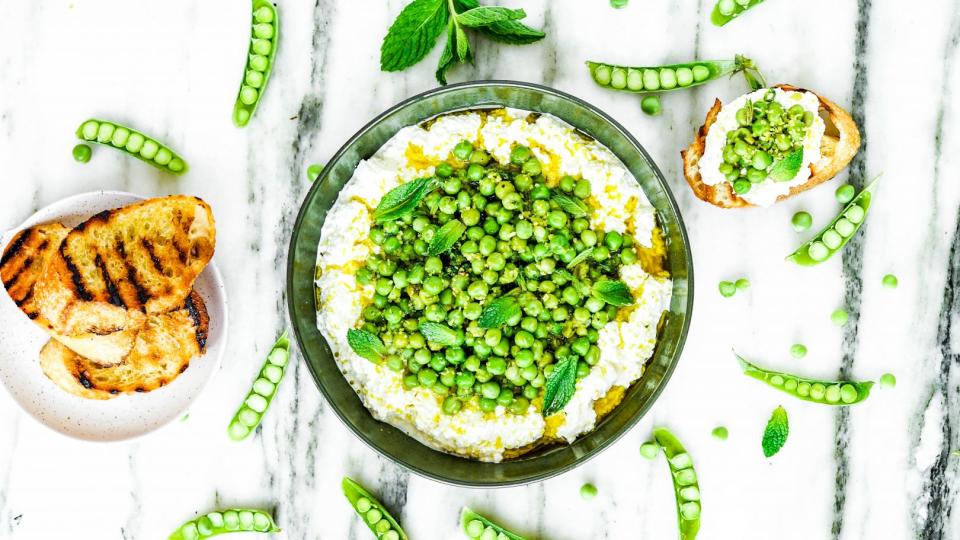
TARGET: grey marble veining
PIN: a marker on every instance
(882, 469)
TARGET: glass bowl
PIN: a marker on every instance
(393, 443)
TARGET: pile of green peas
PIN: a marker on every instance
(518, 240)
(767, 132)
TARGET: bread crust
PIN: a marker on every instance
(837, 151)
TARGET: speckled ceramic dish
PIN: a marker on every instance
(123, 417)
(393, 443)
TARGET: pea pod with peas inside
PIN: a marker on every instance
(250, 414)
(685, 485)
(380, 522)
(836, 235)
(726, 10)
(264, 29)
(825, 392)
(646, 79)
(226, 521)
(132, 142)
(476, 526)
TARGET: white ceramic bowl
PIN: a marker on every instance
(126, 416)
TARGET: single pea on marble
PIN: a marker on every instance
(588, 491)
(887, 380)
(650, 449)
(801, 221)
(840, 317)
(890, 281)
(720, 433)
(798, 350)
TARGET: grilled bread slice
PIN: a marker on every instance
(24, 260)
(838, 146)
(119, 266)
(162, 351)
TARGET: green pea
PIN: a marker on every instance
(888, 380)
(743, 284)
(890, 281)
(839, 317)
(88, 130)
(798, 350)
(462, 150)
(618, 78)
(700, 73)
(668, 78)
(727, 289)
(650, 450)
(635, 79)
(650, 105)
(845, 193)
(588, 491)
(684, 76)
(651, 80)
(602, 74)
(81, 153)
(720, 433)
(258, 62)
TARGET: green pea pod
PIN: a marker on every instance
(380, 522)
(226, 521)
(836, 235)
(261, 393)
(685, 485)
(816, 391)
(264, 33)
(476, 526)
(727, 10)
(645, 79)
(133, 143)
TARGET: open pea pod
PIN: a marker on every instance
(226, 521)
(727, 10)
(836, 235)
(133, 143)
(685, 485)
(262, 391)
(647, 79)
(377, 518)
(264, 36)
(476, 526)
(816, 391)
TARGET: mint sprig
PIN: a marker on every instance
(561, 384)
(775, 435)
(417, 27)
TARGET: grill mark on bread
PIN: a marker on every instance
(198, 325)
(83, 378)
(13, 280)
(16, 245)
(143, 295)
(75, 276)
(148, 245)
(112, 291)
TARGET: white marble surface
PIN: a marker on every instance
(879, 470)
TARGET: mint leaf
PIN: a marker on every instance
(498, 312)
(561, 384)
(615, 293)
(445, 237)
(464, 54)
(447, 57)
(366, 345)
(571, 205)
(413, 34)
(403, 199)
(483, 16)
(582, 256)
(440, 334)
(788, 167)
(775, 434)
(512, 32)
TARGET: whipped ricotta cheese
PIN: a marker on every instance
(764, 193)
(413, 152)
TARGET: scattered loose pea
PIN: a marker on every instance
(260, 55)
(727, 288)
(845, 193)
(887, 380)
(743, 284)
(650, 450)
(801, 221)
(588, 491)
(890, 281)
(798, 350)
(81, 153)
(132, 142)
(720, 433)
(617, 4)
(313, 171)
(839, 317)
(650, 105)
